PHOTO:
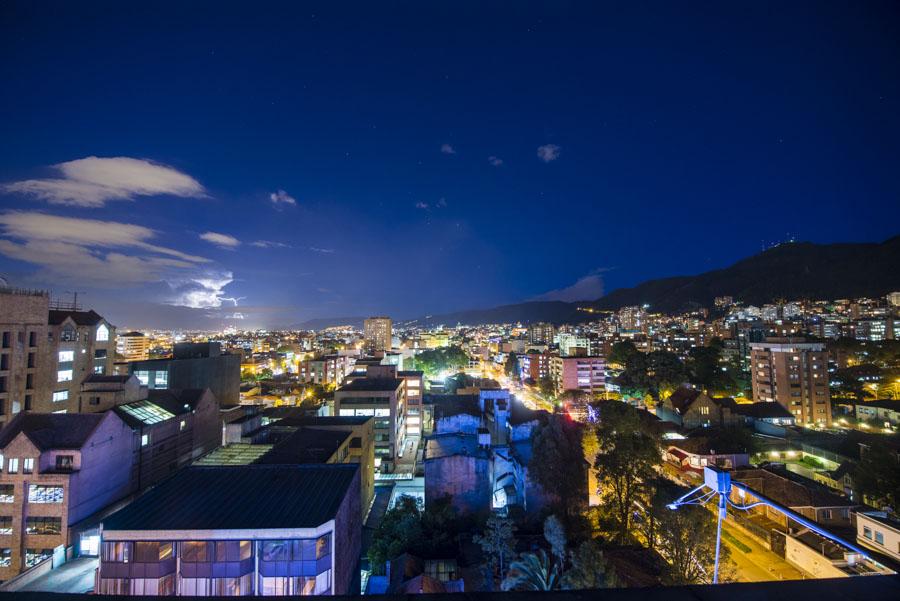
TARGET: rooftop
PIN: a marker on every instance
(81, 318)
(52, 430)
(307, 445)
(372, 385)
(245, 497)
(439, 446)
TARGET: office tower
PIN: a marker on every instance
(794, 373)
(377, 332)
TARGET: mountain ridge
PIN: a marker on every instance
(790, 271)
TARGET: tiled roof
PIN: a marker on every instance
(240, 497)
(52, 430)
(81, 318)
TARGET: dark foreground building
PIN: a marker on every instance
(194, 365)
(249, 530)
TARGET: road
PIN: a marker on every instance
(760, 564)
(76, 576)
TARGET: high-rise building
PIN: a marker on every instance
(540, 333)
(794, 373)
(134, 346)
(587, 374)
(377, 332)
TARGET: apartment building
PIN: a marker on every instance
(383, 397)
(794, 373)
(133, 346)
(415, 389)
(23, 349)
(81, 343)
(378, 333)
(57, 469)
(194, 365)
(587, 374)
(326, 370)
(250, 530)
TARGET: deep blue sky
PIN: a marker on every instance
(687, 135)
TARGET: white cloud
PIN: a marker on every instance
(220, 240)
(92, 181)
(421, 205)
(589, 287)
(447, 149)
(326, 251)
(281, 199)
(203, 291)
(548, 152)
(270, 244)
(40, 227)
(495, 161)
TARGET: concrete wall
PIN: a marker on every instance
(466, 479)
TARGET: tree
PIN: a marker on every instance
(627, 456)
(400, 530)
(558, 464)
(532, 572)
(732, 440)
(555, 535)
(435, 361)
(622, 352)
(877, 475)
(589, 569)
(511, 368)
(688, 542)
(497, 543)
(547, 386)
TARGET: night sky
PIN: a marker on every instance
(267, 164)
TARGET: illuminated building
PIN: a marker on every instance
(377, 332)
(794, 373)
(134, 346)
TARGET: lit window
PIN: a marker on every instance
(161, 380)
(102, 333)
(60, 395)
(45, 494)
(145, 440)
(13, 466)
(143, 377)
(28, 465)
(65, 356)
(64, 375)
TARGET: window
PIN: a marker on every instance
(12, 465)
(43, 525)
(193, 551)
(161, 379)
(323, 546)
(28, 465)
(143, 377)
(5, 558)
(5, 339)
(145, 440)
(64, 375)
(182, 425)
(879, 537)
(102, 333)
(826, 514)
(867, 532)
(45, 494)
(117, 552)
(32, 339)
(31, 360)
(66, 356)
(152, 552)
(65, 463)
(60, 396)
(6, 524)
(36, 556)
(4, 362)
(7, 493)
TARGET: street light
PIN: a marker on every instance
(718, 482)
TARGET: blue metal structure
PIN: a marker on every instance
(718, 482)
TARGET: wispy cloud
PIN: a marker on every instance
(90, 251)
(269, 244)
(548, 152)
(447, 149)
(281, 199)
(422, 205)
(589, 287)
(325, 251)
(495, 161)
(221, 240)
(92, 181)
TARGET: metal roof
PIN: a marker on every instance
(242, 497)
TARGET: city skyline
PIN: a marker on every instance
(176, 168)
